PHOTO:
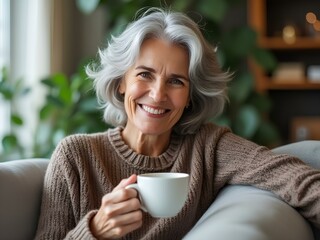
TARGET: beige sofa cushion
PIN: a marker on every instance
(20, 189)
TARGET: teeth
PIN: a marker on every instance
(152, 110)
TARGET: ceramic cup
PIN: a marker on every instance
(162, 195)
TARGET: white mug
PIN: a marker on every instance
(162, 195)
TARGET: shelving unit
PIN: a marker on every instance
(292, 98)
(257, 16)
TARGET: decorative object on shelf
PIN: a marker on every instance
(313, 73)
(289, 72)
(305, 128)
(312, 24)
(289, 34)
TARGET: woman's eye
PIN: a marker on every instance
(145, 75)
(176, 81)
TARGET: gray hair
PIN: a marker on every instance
(208, 83)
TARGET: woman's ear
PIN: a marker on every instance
(121, 88)
(188, 103)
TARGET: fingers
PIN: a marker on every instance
(120, 202)
(124, 221)
(123, 224)
(117, 226)
(125, 182)
(119, 212)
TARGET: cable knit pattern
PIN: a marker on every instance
(84, 167)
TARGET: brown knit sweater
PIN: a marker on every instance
(85, 167)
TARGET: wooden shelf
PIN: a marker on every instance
(304, 84)
(279, 43)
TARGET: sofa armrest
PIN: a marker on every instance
(248, 213)
(21, 184)
(308, 151)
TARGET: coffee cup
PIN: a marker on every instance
(162, 195)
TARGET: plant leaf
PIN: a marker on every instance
(55, 101)
(45, 111)
(266, 134)
(89, 105)
(261, 102)
(222, 120)
(16, 119)
(180, 5)
(6, 91)
(65, 95)
(213, 9)
(48, 82)
(265, 58)
(60, 80)
(9, 142)
(245, 39)
(87, 6)
(241, 87)
(247, 121)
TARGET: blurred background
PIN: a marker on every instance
(272, 47)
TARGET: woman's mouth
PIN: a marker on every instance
(155, 111)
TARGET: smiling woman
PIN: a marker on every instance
(159, 83)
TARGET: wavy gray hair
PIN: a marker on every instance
(208, 83)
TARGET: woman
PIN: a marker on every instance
(159, 82)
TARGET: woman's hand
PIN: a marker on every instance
(119, 212)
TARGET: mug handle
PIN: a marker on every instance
(136, 187)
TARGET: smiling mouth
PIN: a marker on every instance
(155, 111)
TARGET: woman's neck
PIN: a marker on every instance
(146, 144)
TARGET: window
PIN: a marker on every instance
(4, 60)
(25, 50)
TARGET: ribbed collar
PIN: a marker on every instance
(142, 162)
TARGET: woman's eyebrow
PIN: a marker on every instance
(145, 68)
(174, 75)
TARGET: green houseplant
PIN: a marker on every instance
(9, 92)
(70, 107)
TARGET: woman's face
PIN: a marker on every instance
(156, 87)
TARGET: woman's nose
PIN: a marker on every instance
(158, 92)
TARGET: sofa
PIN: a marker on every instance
(239, 212)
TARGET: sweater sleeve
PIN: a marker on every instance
(59, 216)
(82, 230)
(242, 162)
